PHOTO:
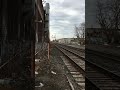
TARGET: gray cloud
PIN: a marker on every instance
(64, 14)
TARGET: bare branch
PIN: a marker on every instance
(108, 14)
(80, 31)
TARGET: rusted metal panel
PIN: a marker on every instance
(40, 8)
(39, 27)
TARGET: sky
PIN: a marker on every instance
(64, 15)
(90, 14)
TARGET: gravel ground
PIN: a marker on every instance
(52, 73)
(78, 46)
(104, 48)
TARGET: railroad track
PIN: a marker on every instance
(72, 48)
(76, 51)
(108, 62)
(77, 70)
(100, 77)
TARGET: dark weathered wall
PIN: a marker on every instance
(17, 39)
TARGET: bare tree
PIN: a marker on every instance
(80, 30)
(108, 16)
(114, 7)
(77, 32)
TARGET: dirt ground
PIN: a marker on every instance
(51, 73)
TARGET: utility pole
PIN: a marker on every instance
(47, 7)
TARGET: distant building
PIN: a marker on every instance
(82, 41)
(71, 40)
(101, 36)
(65, 40)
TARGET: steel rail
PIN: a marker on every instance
(99, 68)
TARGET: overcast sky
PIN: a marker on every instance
(64, 15)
